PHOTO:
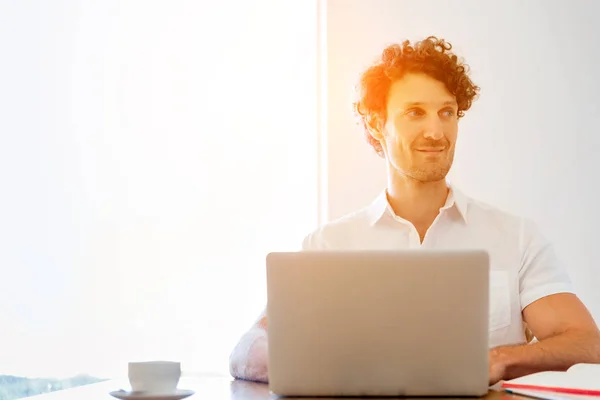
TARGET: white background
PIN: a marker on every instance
(151, 154)
(529, 145)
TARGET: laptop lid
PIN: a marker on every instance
(378, 323)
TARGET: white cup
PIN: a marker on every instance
(157, 377)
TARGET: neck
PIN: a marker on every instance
(416, 201)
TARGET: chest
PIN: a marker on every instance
(505, 321)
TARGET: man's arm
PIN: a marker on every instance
(566, 332)
(248, 360)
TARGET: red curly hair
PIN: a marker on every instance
(431, 56)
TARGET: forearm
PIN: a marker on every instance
(556, 353)
(248, 359)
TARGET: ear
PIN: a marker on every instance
(375, 126)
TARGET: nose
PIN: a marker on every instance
(434, 129)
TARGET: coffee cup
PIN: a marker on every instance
(156, 377)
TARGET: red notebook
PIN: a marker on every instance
(580, 379)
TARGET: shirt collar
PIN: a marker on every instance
(380, 206)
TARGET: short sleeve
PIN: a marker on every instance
(541, 273)
(314, 241)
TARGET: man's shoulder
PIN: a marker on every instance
(480, 208)
(338, 232)
(493, 216)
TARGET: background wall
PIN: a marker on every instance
(528, 145)
(151, 154)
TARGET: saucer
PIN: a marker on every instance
(178, 394)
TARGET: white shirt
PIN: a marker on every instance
(523, 266)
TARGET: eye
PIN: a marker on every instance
(414, 112)
(448, 113)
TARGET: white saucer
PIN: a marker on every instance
(178, 394)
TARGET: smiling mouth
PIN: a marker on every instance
(430, 150)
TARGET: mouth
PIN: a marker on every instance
(431, 150)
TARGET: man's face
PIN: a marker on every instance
(419, 134)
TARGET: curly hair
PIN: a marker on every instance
(431, 56)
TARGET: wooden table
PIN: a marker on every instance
(206, 388)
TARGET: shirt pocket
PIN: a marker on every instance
(499, 300)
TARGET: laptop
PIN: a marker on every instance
(378, 323)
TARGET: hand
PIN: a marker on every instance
(497, 365)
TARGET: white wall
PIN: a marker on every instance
(151, 154)
(529, 143)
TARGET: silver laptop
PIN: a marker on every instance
(378, 323)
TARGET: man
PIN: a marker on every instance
(409, 104)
